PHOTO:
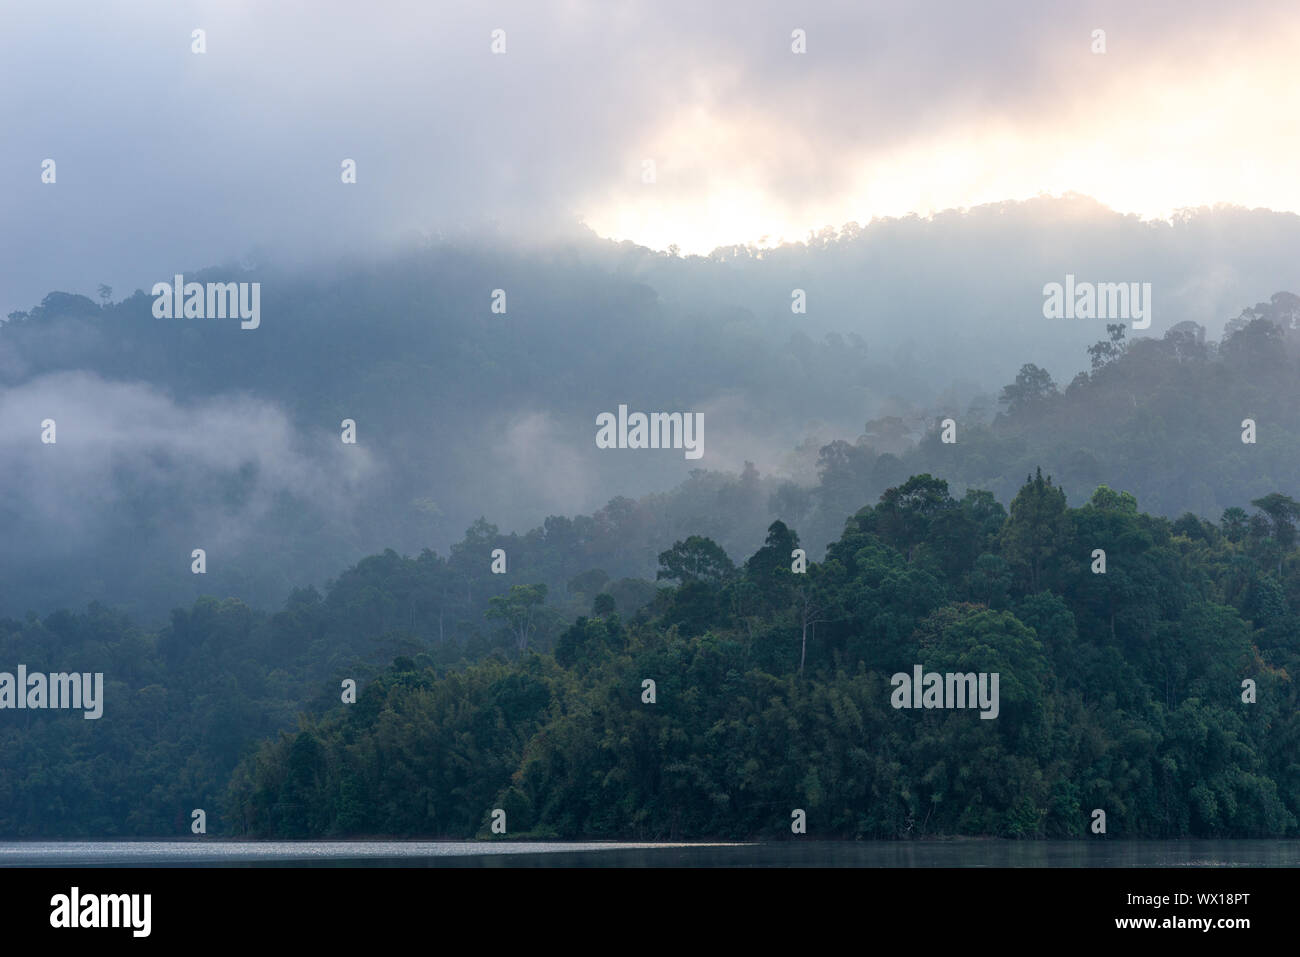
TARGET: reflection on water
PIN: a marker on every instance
(794, 853)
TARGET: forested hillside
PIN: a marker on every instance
(1121, 690)
(521, 690)
(1161, 416)
(461, 412)
(183, 703)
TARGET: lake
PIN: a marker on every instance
(793, 853)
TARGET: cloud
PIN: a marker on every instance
(168, 160)
(215, 469)
(543, 466)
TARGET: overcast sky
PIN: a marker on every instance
(169, 160)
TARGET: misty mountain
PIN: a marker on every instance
(177, 434)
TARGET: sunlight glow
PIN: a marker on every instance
(1150, 142)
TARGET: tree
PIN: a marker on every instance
(990, 579)
(769, 567)
(1186, 340)
(845, 472)
(698, 559)
(1233, 523)
(1283, 511)
(1108, 350)
(905, 514)
(1032, 387)
(979, 639)
(1259, 346)
(471, 557)
(1037, 527)
(1282, 310)
(790, 501)
(812, 603)
(890, 433)
(1108, 500)
(518, 610)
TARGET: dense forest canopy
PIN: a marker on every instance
(1120, 690)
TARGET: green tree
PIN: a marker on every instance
(1109, 349)
(905, 514)
(1037, 528)
(1033, 386)
(1107, 499)
(1233, 523)
(519, 610)
(697, 559)
(1282, 511)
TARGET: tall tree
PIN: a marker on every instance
(1037, 527)
(1283, 511)
(518, 610)
(1032, 387)
(696, 559)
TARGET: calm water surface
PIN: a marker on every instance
(960, 853)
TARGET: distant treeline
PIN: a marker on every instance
(230, 442)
